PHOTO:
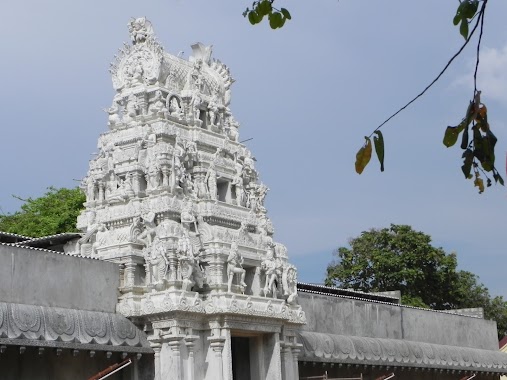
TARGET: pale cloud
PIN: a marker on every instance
(492, 74)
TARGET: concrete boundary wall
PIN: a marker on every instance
(354, 317)
(40, 277)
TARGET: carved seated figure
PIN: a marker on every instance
(122, 193)
(157, 104)
(273, 271)
(235, 266)
(174, 108)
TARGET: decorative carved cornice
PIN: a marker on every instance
(332, 348)
(42, 326)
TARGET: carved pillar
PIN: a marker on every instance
(217, 345)
(174, 343)
(296, 349)
(287, 361)
(122, 274)
(172, 258)
(157, 348)
(190, 343)
(136, 182)
(165, 175)
(129, 274)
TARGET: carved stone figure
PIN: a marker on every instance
(289, 282)
(148, 235)
(157, 104)
(153, 176)
(213, 109)
(191, 272)
(211, 182)
(195, 104)
(237, 182)
(156, 262)
(113, 117)
(187, 214)
(273, 271)
(235, 266)
(174, 108)
(123, 191)
(131, 109)
(140, 29)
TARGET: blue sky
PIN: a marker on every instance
(306, 94)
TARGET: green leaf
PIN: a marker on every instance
(463, 29)
(363, 156)
(252, 17)
(286, 13)
(456, 19)
(497, 177)
(451, 135)
(275, 20)
(468, 156)
(464, 138)
(264, 7)
(379, 148)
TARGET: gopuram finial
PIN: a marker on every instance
(140, 30)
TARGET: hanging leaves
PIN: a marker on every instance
(363, 156)
(465, 12)
(479, 152)
(262, 8)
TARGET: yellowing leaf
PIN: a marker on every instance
(479, 183)
(363, 156)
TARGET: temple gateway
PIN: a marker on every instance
(178, 273)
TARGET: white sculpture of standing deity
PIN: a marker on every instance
(211, 181)
(235, 266)
(273, 271)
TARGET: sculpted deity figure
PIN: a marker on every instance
(248, 161)
(211, 181)
(131, 108)
(235, 266)
(273, 271)
(251, 198)
(91, 188)
(187, 185)
(233, 132)
(140, 29)
(191, 272)
(156, 262)
(187, 214)
(113, 116)
(237, 182)
(213, 108)
(195, 103)
(289, 282)
(123, 191)
(153, 176)
(147, 236)
(174, 108)
(194, 79)
(157, 104)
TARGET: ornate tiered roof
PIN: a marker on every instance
(172, 194)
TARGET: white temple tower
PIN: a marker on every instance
(175, 199)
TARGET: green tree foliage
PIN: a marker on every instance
(399, 258)
(55, 212)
